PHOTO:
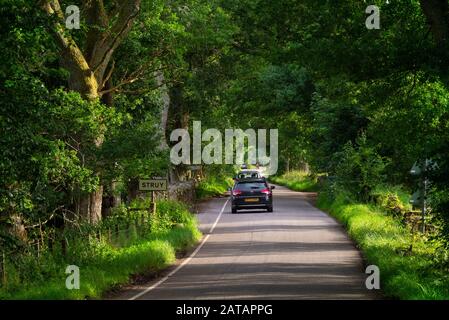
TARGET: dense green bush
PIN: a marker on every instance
(393, 199)
(360, 169)
(216, 182)
(297, 180)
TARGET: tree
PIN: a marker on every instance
(89, 65)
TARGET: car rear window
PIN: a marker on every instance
(248, 186)
(251, 174)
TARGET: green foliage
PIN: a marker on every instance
(215, 183)
(407, 265)
(297, 181)
(393, 199)
(360, 169)
(361, 106)
(335, 123)
(386, 83)
(104, 262)
(168, 214)
(51, 156)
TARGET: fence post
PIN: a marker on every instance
(152, 209)
(153, 203)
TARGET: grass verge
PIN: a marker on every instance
(108, 265)
(212, 186)
(297, 181)
(408, 265)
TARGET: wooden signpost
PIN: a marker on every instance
(152, 185)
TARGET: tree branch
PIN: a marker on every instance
(130, 81)
(128, 11)
(81, 77)
(98, 22)
(109, 75)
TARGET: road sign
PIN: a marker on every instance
(153, 185)
(416, 169)
(420, 167)
(417, 199)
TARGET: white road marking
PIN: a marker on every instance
(219, 216)
(157, 284)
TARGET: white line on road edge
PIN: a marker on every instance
(157, 284)
(218, 218)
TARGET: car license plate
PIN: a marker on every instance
(252, 200)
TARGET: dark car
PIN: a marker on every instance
(252, 194)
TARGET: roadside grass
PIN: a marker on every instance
(109, 267)
(392, 198)
(297, 181)
(405, 274)
(212, 186)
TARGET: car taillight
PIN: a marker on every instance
(236, 192)
(266, 191)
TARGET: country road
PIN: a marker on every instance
(296, 252)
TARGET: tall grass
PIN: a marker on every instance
(297, 181)
(392, 198)
(406, 261)
(104, 265)
(213, 185)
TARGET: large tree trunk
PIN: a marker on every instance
(96, 199)
(89, 205)
(90, 70)
(166, 100)
(180, 117)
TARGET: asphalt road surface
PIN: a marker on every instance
(296, 252)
